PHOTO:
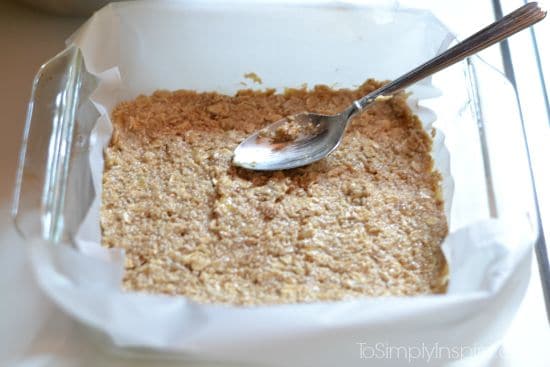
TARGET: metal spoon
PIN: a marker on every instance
(305, 138)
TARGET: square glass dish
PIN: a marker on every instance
(209, 46)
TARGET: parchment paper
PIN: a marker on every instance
(136, 48)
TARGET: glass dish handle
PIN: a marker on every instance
(59, 90)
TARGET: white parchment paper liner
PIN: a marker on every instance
(489, 261)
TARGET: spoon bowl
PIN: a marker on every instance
(316, 136)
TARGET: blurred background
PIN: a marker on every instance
(66, 7)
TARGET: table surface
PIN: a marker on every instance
(35, 332)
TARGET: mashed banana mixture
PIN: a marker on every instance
(366, 221)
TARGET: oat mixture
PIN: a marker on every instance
(292, 128)
(366, 221)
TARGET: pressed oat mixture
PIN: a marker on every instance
(367, 220)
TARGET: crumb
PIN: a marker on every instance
(254, 77)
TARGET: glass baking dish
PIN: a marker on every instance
(476, 110)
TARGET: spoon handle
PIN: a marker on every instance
(514, 22)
